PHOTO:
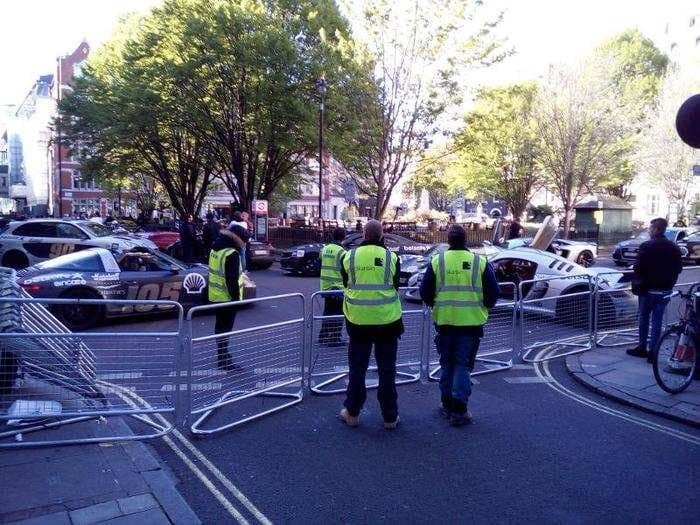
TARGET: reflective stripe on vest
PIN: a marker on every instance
(331, 278)
(370, 297)
(459, 297)
(218, 290)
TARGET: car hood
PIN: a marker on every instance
(630, 243)
(610, 278)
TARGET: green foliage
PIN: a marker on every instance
(499, 147)
(203, 87)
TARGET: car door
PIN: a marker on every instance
(512, 271)
(148, 278)
(37, 239)
(68, 238)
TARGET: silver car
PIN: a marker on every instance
(25, 243)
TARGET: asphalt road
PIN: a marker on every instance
(538, 451)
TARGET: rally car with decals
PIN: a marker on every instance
(305, 259)
(24, 243)
(98, 273)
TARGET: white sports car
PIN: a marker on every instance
(580, 252)
(561, 292)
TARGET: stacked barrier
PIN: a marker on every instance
(69, 377)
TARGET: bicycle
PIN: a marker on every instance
(676, 355)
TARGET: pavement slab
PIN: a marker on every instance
(630, 380)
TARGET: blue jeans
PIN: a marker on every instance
(654, 305)
(456, 362)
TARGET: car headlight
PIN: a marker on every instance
(299, 253)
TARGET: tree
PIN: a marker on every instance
(122, 119)
(664, 158)
(417, 50)
(432, 174)
(225, 88)
(499, 147)
(580, 119)
(636, 68)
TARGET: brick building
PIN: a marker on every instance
(72, 194)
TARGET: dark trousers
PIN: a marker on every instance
(359, 352)
(651, 305)
(332, 329)
(457, 358)
(225, 318)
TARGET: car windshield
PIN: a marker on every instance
(166, 260)
(96, 229)
(77, 261)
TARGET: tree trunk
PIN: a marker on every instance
(567, 221)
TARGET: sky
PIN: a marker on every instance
(34, 32)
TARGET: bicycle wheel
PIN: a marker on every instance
(674, 362)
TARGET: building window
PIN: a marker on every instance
(80, 184)
(653, 204)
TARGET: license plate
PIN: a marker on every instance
(261, 252)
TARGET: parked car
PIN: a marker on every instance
(24, 243)
(690, 248)
(625, 253)
(98, 273)
(304, 259)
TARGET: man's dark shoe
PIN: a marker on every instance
(638, 352)
(459, 420)
(225, 363)
(444, 411)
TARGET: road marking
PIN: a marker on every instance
(542, 370)
(526, 380)
(235, 491)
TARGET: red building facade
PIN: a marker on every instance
(71, 194)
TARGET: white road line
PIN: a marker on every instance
(542, 370)
(121, 375)
(526, 380)
(235, 491)
(220, 497)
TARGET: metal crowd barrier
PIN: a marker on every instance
(328, 360)
(563, 321)
(67, 377)
(616, 310)
(267, 361)
(500, 337)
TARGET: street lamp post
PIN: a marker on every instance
(321, 89)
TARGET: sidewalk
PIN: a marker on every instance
(115, 483)
(630, 380)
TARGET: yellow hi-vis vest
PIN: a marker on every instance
(218, 291)
(459, 297)
(370, 296)
(331, 279)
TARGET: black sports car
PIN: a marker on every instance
(690, 249)
(304, 259)
(98, 273)
(625, 253)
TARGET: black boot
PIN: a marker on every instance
(638, 351)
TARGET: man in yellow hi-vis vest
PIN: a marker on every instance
(372, 311)
(225, 286)
(332, 280)
(460, 287)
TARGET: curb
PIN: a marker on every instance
(573, 367)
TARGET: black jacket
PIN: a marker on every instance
(394, 329)
(209, 234)
(489, 285)
(232, 268)
(658, 266)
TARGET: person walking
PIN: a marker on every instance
(372, 310)
(656, 272)
(225, 286)
(460, 287)
(331, 279)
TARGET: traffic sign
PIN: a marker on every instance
(260, 207)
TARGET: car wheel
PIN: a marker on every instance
(15, 260)
(585, 258)
(78, 317)
(621, 264)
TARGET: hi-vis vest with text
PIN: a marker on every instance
(218, 291)
(370, 296)
(330, 267)
(459, 297)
